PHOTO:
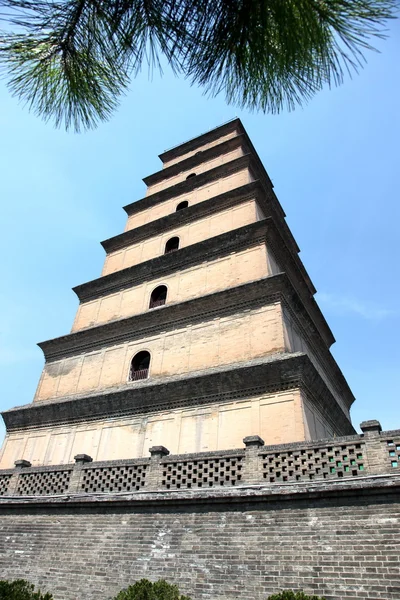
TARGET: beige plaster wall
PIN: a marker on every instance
(162, 209)
(206, 278)
(215, 341)
(201, 168)
(220, 140)
(277, 418)
(272, 265)
(316, 427)
(189, 233)
(294, 342)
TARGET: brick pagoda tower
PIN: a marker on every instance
(201, 330)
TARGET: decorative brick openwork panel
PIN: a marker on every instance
(42, 483)
(4, 481)
(114, 478)
(325, 462)
(392, 452)
(202, 472)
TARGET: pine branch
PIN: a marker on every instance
(70, 60)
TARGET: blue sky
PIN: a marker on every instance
(334, 164)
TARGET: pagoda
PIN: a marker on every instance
(202, 329)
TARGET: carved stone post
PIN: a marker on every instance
(252, 471)
(80, 461)
(13, 483)
(373, 447)
(154, 475)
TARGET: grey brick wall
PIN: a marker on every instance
(338, 539)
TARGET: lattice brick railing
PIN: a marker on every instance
(4, 481)
(373, 453)
(392, 450)
(113, 478)
(324, 462)
(211, 471)
(43, 482)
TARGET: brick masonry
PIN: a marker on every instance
(343, 545)
(319, 516)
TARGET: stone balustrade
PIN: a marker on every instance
(372, 453)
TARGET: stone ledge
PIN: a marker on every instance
(364, 486)
(241, 380)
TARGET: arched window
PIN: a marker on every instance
(158, 296)
(191, 175)
(172, 245)
(181, 205)
(140, 366)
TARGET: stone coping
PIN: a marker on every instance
(242, 380)
(382, 485)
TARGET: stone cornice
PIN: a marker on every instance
(167, 317)
(242, 380)
(197, 159)
(219, 304)
(173, 316)
(188, 185)
(188, 215)
(265, 199)
(201, 140)
(222, 245)
(210, 249)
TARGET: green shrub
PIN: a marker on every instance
(289, 595)
(146, 590)
(21, 590)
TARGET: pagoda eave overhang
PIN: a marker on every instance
(167, 317)
(190, 214)
(175, 315)
(209, 249)
(241, 380)
(201, 140)
(189, 185)
(199, 158)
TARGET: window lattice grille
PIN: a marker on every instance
(330, 462)
(212, 472)
(4, 481)
(393, 453)
(43, 483)
(114, 479)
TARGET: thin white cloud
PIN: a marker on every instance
(347, 305)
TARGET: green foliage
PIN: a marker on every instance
(70, 60)
(21, 590)
(146, 590)
(289, 595)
